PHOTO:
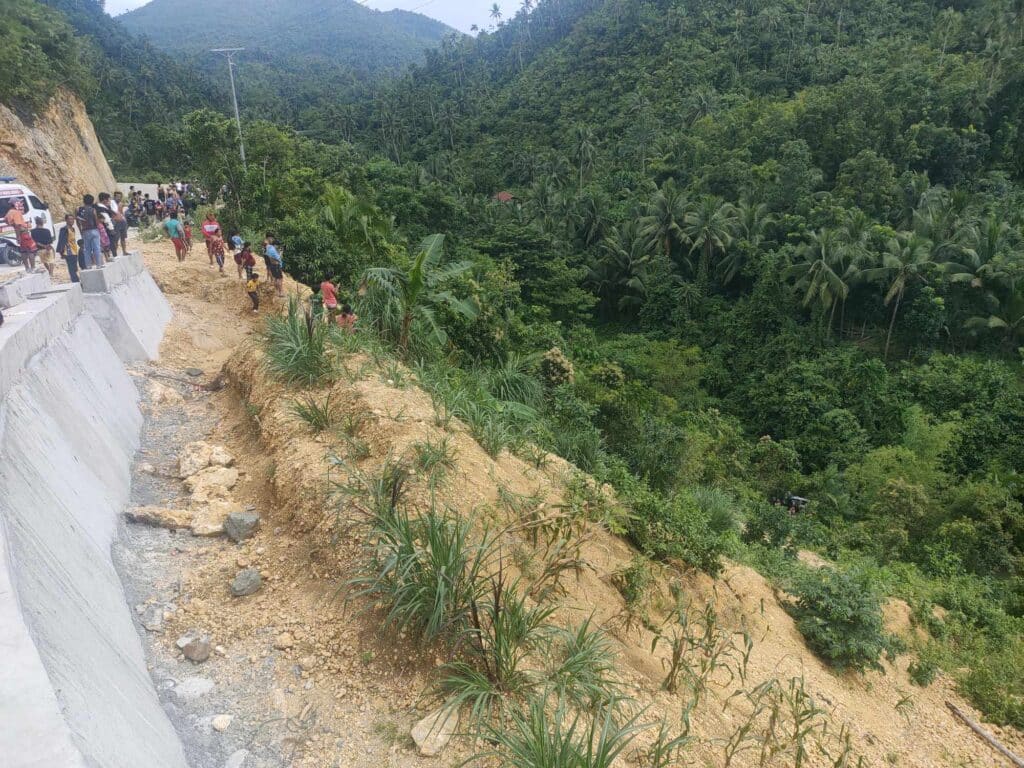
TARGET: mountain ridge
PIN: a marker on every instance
(333, 32)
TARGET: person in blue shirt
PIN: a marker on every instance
(275, 263)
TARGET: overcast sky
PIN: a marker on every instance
(461, 14)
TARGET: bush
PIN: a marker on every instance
(425, 571)
(695, 526)
(297, 347)
(839, 614)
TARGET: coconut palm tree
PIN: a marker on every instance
(663, 222)
(984, 243)
(709, 227)
(752, 221)
(583, 150)
(819, 273)
(906, 260)
(1009, 320)
(414, 294)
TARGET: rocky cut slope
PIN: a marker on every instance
(55, 152)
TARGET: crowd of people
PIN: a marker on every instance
(87, 239)
(95, 233)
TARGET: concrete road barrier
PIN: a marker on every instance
(74, 689)
(127, 304)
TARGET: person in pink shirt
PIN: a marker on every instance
(329, 294)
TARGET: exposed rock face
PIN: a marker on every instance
(197, 456)
(56, 153)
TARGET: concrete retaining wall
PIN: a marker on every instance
(74, 690)
(129, 307)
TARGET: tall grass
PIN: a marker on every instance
(297, 349)
(424, 571)
(503, 633)
(319, 416)
(548, 734)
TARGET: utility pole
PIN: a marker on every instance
(228, 53)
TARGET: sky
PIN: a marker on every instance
(461, 14)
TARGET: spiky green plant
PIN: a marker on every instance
(319, 416)
(296, 347)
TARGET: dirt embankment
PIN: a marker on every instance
(368, 687)
(56, 153)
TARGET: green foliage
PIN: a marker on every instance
(297, 347)
(695, 526)
(425, 572)
(40, 52)
(435, 458)
(319, 416)
(839, 614)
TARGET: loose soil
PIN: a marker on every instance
(338, 691)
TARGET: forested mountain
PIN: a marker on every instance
(749, 250)
(134, 93)
(282, 31)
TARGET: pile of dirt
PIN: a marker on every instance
(372, 686)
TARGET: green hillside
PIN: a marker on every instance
(284, 32)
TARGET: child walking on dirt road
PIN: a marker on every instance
(177, 234)
(252, 287)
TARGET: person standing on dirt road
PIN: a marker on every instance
(177, 234)
(43, 238)
(275, 263)
(89, 225)
(252, 289)
(211, 229)
(117, 205)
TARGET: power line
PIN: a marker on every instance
(228, 54)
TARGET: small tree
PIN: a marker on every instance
(415, 294)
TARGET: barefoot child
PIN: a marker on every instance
(216, 246)
(252, 287)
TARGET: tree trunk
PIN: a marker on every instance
(403, 338)
(831, 319)
(892, 323)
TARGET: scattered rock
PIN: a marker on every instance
(221, 457)
(161, 517)
(237, 759)
(434, 731)
(192, 688)
(147, 468)
(195, 645)
(284, 641)
(153, 618)
(246, 582)
(164, 395)
(200, 455)
(194, 372)
(221, 723)
(308, 663)
(193, 458)
(211, 484)
(208, 520)
(241, 525)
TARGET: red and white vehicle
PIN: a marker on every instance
(32, 207)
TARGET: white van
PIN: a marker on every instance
(31, 205)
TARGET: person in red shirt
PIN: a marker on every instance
(329, 294)
(211, 229)
(248, 259)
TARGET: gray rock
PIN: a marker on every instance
(240, 526)
(247, 582)
(153, 618)
(434, 731)
(237, 759)
(193, 372)
(192, 688)
(195, 645)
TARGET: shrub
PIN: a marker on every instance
(695, 526)
(585, 673)
(435, 457)
(771, 525)
(547, 734)
(297, 347)
(425, 572)
(839, 614)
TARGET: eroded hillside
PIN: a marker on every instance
(55, 152)
(349, 690)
